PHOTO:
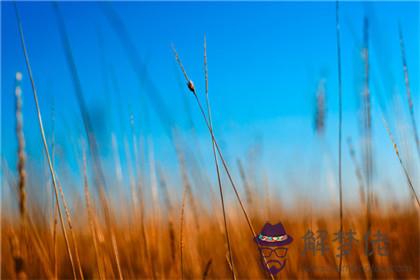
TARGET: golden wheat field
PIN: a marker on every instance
(117, 164)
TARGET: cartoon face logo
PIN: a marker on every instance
(272, 244)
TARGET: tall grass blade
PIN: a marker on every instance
(44, 139)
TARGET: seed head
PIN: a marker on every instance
(191, 86)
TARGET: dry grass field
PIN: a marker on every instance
(203, 225)
(150, 248)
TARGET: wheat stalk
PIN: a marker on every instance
(21, 148)
(72, 234)
(44, 140)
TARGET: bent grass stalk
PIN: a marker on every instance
(191, 87)
(217, 163)
(54, 206)
(44, 140)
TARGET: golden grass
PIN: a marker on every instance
(206, 246)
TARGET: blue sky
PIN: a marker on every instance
(265, 61)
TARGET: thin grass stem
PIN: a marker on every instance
(44, 140)
(216, 161)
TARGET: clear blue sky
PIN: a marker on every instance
(265, 61)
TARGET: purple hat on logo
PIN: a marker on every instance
(273, 235)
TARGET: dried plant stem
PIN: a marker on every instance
(54, 205)
(248, 220)
(397, 153)
(340, 126)
(116, 254)
(19, 258)
(44, 140)
(219, 181)
(408, 90)
(200, 106)
(21, 148)
(72, 235)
